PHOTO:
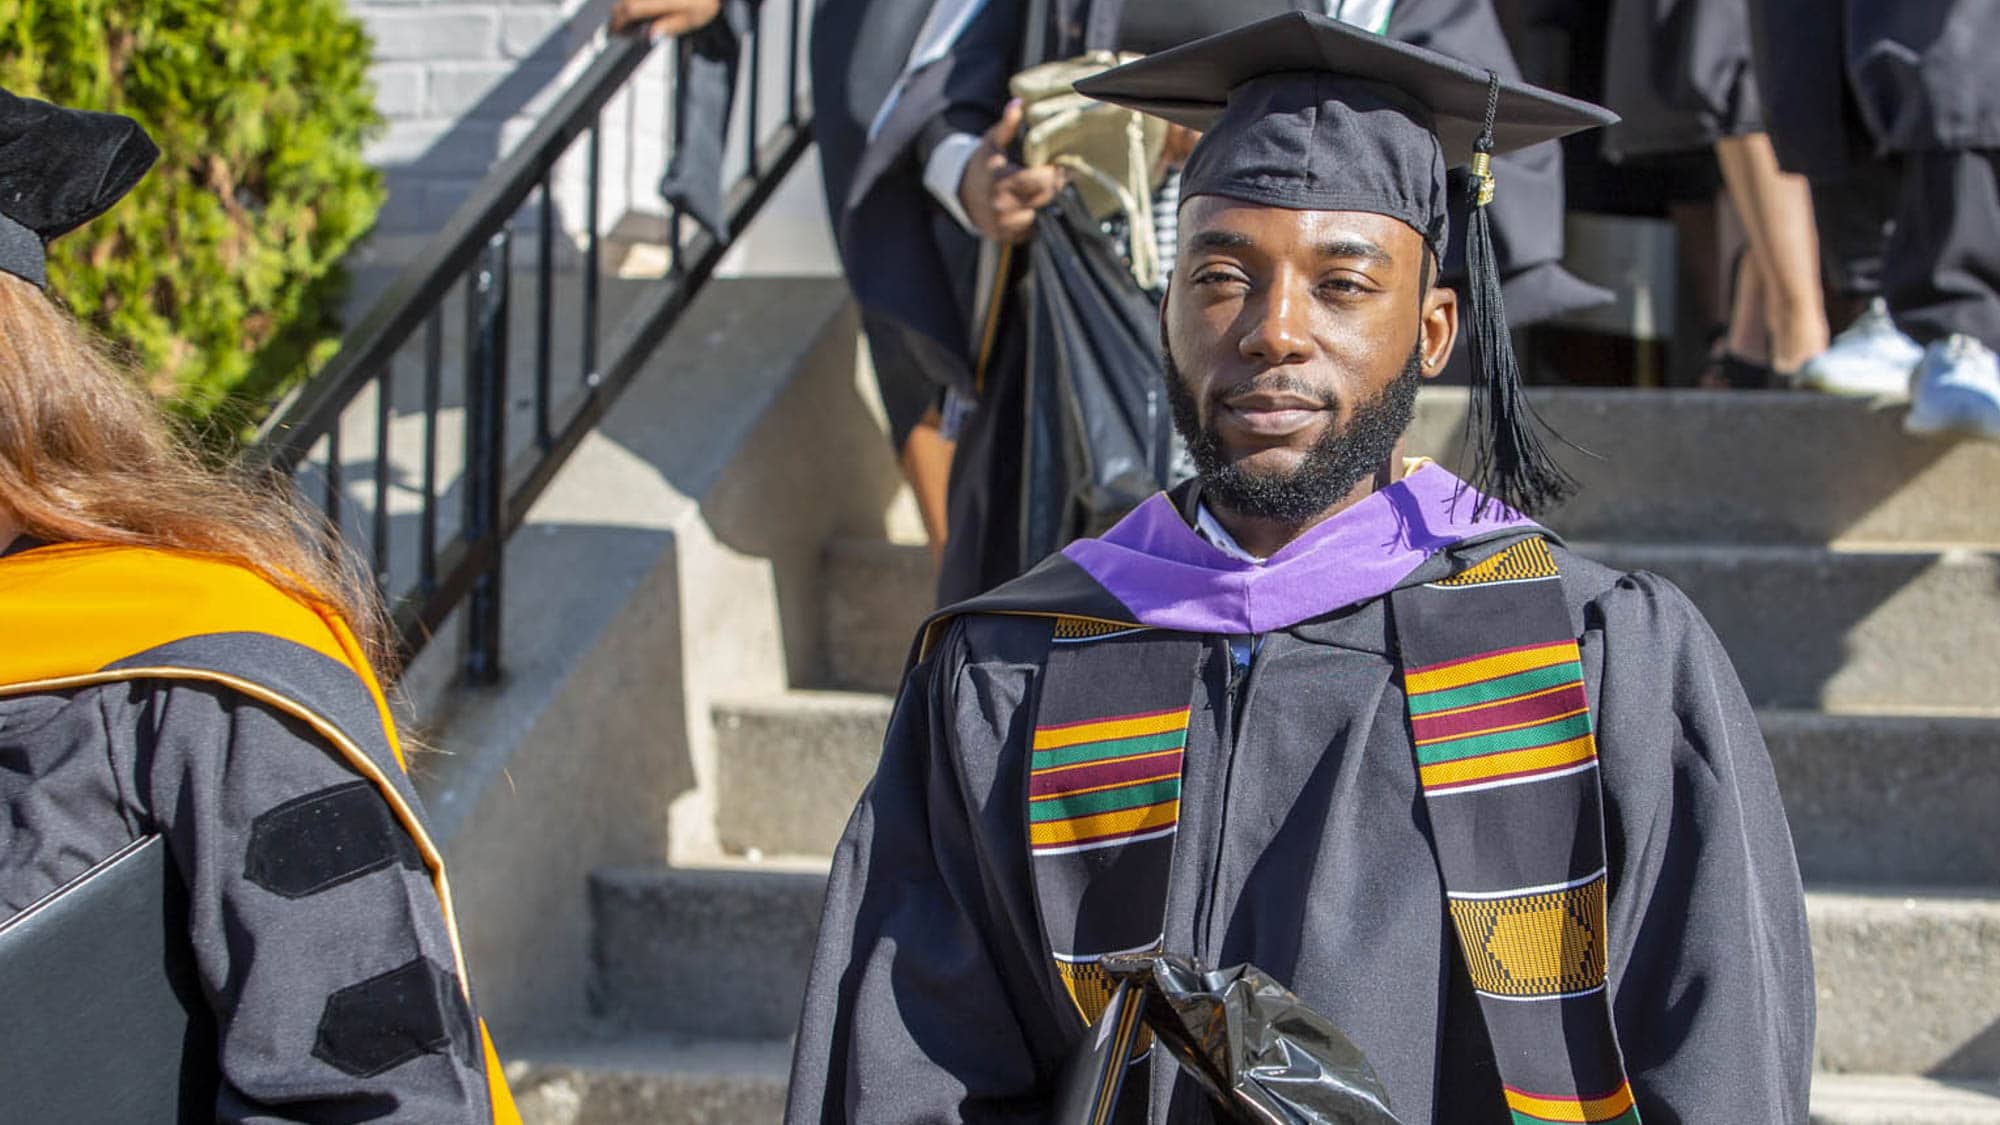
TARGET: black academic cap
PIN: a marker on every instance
(59, 169)
(1191, 84)
(1307, 113)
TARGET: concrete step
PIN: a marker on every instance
(1907, 985)
(1810, 627)
(790, 767)
(715, 952)
(652, 1081)
(877, 593)
(1779, 467)
(1854, 1099)
(1871, 798)
(1889, 799)
(1806, 626)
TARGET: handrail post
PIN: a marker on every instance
(459, 569)
(485, 452)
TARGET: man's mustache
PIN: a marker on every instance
(1275, 383)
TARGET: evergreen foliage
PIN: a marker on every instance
(222, 273)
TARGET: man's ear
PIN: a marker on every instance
(1438, 328)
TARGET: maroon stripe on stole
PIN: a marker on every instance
(1504, 713)
(1117, 771)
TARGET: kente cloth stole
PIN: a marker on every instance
(1508, 764)
(1103, 793)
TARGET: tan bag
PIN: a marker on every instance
(1112, 153)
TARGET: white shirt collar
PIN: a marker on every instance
(1211, 529)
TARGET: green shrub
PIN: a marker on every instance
(221, 274)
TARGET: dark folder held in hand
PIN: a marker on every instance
(105, 1017)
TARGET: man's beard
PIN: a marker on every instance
(1343, 457)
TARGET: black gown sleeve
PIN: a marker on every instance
(319, 937)
(909, 1016)
(1711, 960)
(966, 90)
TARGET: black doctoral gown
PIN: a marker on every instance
(1303, 844)
(1847, 81)
(177, 696)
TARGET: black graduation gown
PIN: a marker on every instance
(1303, 848)
(84, 773)
(1894, 111)
(1527, 208)
(913, 270)
(1845, 82)
(324, 945)
(858, 50)
(907, 261)
(1680, 74)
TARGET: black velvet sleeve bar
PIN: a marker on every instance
(59, 169)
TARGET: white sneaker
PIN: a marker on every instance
(1871, 359)
(1956, 389)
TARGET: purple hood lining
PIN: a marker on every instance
(1172, 578)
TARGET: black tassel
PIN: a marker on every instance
(1510, 461)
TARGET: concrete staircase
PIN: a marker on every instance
(1853, 573)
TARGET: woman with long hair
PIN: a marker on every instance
(185, 658)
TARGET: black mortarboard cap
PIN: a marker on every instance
(59, 169)
(1307, 113)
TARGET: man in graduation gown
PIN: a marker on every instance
(935, 175)
(922, 146)
(1322, 710)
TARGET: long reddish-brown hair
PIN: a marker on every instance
(86, 455)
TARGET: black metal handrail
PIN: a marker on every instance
(475, 248)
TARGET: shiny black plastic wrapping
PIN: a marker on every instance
(1099, 432)
(1262, 1056)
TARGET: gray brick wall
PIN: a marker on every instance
(462, 81)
